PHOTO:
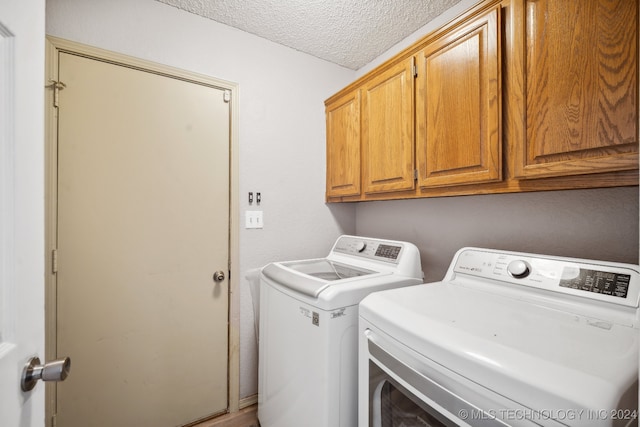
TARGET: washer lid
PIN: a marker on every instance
(539, 356)
(311, 277)
(327, 270)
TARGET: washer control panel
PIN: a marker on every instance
(613, 282)
(379, 250)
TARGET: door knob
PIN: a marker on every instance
(218, 276)
(33, 371)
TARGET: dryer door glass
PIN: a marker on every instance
(392, 405)
(399, 409)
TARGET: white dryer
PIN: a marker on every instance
(307, 369)
(506, 339)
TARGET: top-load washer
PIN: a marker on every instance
(307, 369)
(506, 338)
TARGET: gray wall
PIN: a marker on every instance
(598, 224)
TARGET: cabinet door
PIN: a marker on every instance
(581, 87)
(458, 106)
(343, 146)
(387, 130)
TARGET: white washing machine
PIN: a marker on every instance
(506, 339)
(307, 369)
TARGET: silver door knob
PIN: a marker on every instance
(33, 371)
(218, 276)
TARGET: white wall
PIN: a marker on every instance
(281, 130)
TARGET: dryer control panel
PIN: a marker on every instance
(605, 281)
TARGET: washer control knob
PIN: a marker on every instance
(361, 246)
(518, 269)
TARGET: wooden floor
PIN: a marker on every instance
(247, 417)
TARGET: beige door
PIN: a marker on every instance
(143, 225)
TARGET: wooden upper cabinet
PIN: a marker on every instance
(511, 96)
(458, 105)
(580, 87)
(387, 130)
(343, 146)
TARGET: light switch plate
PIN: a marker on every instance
(253, 219)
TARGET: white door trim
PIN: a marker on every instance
(55, 46)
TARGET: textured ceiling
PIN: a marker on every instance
(350, 33)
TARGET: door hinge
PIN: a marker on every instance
(414, 68)
(227, 96)
(54, 423)
(415, 174)
(56, 86)
(54, 261)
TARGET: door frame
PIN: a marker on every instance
(54, 46)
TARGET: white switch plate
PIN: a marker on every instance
(253, 219)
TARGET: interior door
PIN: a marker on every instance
(21, 207)
(143, 225)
